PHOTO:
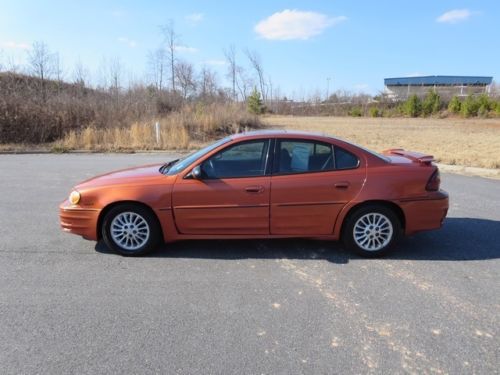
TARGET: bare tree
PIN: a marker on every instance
(102, 74)
(243, 83)
(184, 73)
(58, 71)
(80, 74)
(41, 61)
(58, 68)
(13, 64)
(170, 39)
(230, 54)
(270, 85)
(115, 73)
(157, 64)
(41, 64)
(207, 83)
(256, 63)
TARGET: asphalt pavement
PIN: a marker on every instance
(68, 305)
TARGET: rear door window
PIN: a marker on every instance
(344, 159)
(302, 156)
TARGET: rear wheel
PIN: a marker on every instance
(130, 230)
(371, 231)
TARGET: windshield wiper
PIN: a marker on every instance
(165, 167)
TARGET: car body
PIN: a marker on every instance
(264, 184)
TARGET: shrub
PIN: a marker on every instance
(470, 107)
(413, 106)
(375, 112)
(485, 105)
(484, 101)
(355, 112)
(482, 111)
(454, 105)
(254, 103)
(431, 103)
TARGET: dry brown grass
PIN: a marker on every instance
(136, 137)
(471, 142)
(192, 126)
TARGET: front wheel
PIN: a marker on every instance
(371, 231)
(130, 230)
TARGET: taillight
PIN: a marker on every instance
(434, 181)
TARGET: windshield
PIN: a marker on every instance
(191, 158)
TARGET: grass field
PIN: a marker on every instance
(468, 142)
(460, 142)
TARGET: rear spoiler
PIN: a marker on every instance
(416, 157)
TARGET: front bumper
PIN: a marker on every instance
(79, 220)
(425, 214)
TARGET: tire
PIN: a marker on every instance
(131, 230)
(371, 231)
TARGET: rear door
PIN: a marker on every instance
(311, 182)
(232, 197)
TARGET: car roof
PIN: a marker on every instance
(279, 133)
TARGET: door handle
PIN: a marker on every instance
(254, 189)
(342, 185)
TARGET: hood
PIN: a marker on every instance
(129, 176)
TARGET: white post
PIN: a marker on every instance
(157, 129)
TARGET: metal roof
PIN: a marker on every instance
(438, 80)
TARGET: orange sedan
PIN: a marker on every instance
(273, 184)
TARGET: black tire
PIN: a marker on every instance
(383, 237)
(145, 244)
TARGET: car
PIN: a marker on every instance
(263, 184)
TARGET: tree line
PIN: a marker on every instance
(39, 102)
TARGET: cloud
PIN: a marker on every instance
(185, 49)
(194, 18)
(129, 42)
(295, 24)
(454, 16)
(15, 45)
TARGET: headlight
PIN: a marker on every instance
(74, 197)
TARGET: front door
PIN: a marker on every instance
(232, 196)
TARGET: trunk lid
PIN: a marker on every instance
(398, 155)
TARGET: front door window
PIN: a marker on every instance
(247, 159)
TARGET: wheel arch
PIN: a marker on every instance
(112, 205)
(388, 204)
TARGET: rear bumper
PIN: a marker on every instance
(425, 213)
(78, 220)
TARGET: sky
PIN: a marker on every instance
(305, 46)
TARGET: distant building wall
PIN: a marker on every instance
(404, 92)
(445, 86)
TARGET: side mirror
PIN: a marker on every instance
(196, 172)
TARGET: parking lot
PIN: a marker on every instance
(287, 306)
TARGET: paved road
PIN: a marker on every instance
(275, 307)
